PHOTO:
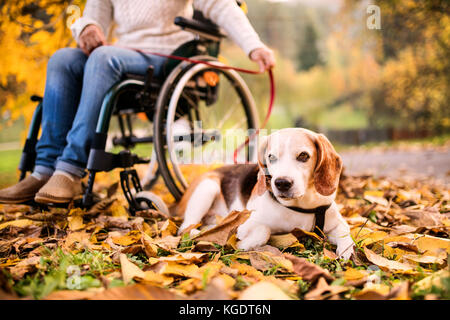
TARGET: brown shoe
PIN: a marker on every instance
(59, 189)
(23, 191)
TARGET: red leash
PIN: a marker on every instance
(224, 67)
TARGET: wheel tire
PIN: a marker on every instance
(160, 117)
(147, 198)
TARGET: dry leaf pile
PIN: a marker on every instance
(401, 230)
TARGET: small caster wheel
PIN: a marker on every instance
(149, 200)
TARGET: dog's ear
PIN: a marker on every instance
(262, 148)
(328, 166)
(261, 184)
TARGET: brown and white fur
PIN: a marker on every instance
(299, 167)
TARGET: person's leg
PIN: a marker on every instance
(61, 97)
(105, 66)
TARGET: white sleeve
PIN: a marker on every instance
(228, 15)
(97, 12)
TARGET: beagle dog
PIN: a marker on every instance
(293, 186)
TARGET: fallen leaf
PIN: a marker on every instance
(283, 241)
(423, 259)
(186, 258)
(169, 228)
(75, 222)
(222, 232)
(135, 292)
(329, 254)
(324, 291)
(300, 234)
(168, 242)
(205, 246)
(384, 263)
(23, 267)
(21, 223)
(376, 197)
(128, 239)
(129, 269)
(307, 270)
(264, 290)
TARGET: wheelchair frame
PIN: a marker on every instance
(147, 91)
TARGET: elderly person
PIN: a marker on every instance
(78, 79)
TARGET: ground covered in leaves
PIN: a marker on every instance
(401, 230)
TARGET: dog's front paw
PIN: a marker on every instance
(252, 236)
(248, 244)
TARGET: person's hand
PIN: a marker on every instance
(264, 57)
(90, 38)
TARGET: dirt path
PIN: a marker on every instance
(430, 162)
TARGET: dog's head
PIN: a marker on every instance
(294, 159)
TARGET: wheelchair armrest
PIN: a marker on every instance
(205, 29)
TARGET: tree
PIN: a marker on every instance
(309, 54)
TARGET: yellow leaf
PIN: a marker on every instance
(186, 258)
(169, 228)
(177, 269)
(264, 290)
(75, 222)
(129, 269)
(128, 239)
(155, 278)
(21, 223)
(118, 210)
(284, 241)
(353, 274)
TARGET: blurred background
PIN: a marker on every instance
(364, 77)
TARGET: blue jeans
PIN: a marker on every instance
(74, 91)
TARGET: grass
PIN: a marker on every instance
(9, 160)
(60, 271)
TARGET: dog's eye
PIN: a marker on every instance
(272, 158)
(303, 157)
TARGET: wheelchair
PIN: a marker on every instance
(191, 105)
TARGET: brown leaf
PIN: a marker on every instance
(205, 246)
(264, 290)
(329, 254)
(136, 292)
(168, 242)
(428, 217)
(301, 234)
(215, 290)
(71, 295)
(307, 270)
(222, 232)
(384, 263)
(23, 267)
(324, 291)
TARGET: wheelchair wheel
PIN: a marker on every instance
(202, 115)
(147, 200)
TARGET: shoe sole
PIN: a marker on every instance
(46, 200)
(15, 201)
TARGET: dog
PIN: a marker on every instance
(293, 185)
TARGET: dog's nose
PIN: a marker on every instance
(283, 184)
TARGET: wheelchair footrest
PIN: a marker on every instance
(129, 180)
(100, 160)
